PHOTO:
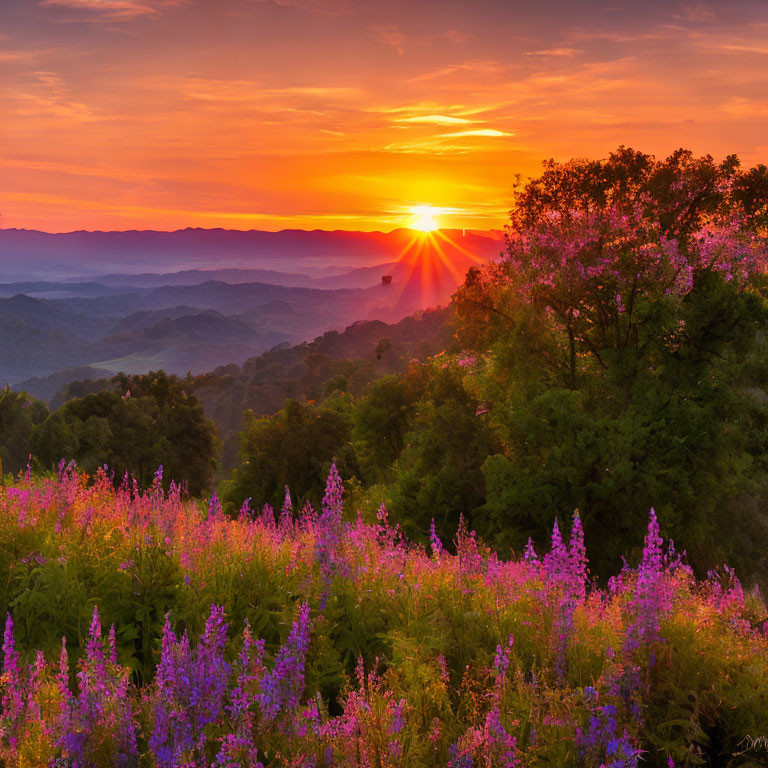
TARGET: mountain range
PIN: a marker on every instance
(33, 255)
(192, 300)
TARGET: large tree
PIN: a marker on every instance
(624, 338)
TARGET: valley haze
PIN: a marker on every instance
(98, 303)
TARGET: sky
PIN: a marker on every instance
(344, 114)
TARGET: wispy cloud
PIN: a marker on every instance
(447, 143)
(114, 10)
(477, 132)
(699, 13)
(428, 147)
(391, 35)
(253, 91)
(436, 120)
(741, 107)
(69, 169)
(476, 66)
(556, 52)
(47, 93)
(457, 36)
(758, 48)
(8, 56)
(320, 7)
(319, 91)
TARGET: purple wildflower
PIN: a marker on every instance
(334, 491)
(650, 599)
(530, 555)
(577, 555)
(286, 513)
(434, 540)
(329, 533)
(281, 689)
(397, 717)
(190, 688)
(100, 705)
(12, 701)
(601, 742)
(214, 505)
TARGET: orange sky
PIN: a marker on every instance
(269, 114)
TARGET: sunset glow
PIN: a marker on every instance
(274, 114)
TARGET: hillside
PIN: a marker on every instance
(334, 640)
(349, 360)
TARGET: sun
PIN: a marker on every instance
(424, 218)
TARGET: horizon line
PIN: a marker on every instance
(246, 231)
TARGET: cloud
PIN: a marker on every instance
(15, 55)
(446, 143)
(390, 35)
(476, 66)
(255, 93)
(71, 169)
(743, 48)
(556, 52)
(320, 91)
(49, 94)
(320, 7)
(479, 132)
(455, 36)
(114, 10)
(436, 120)
(745, 108)
(699, 13)
(427, 148)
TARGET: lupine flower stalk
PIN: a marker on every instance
(281, 689)
(100, 717)
(190, 691)
(13, 692)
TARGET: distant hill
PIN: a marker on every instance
(197, 276)
(177, 328)
(193, 299)
(48, 289)
(48, 387)
(349, 360)
(51, 316)
(26, 350)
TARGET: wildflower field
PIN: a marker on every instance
(145, 628)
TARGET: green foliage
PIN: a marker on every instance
(19, 413)
(144, 422)
(438, 473)
(335, 362)
(294, 447)
(684, 431)
(381, 420)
